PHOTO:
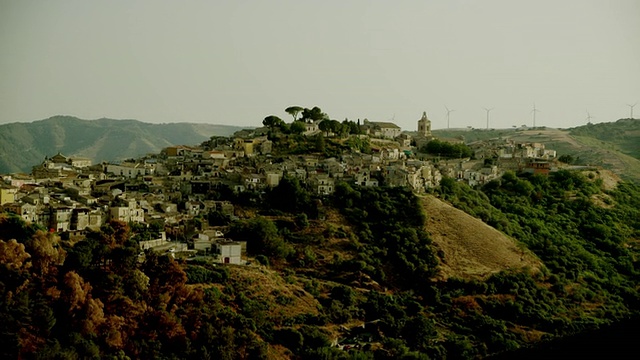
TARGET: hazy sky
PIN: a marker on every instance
(235, 62)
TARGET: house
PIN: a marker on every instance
(363, 178)
(57, 163)
(311, 128)
(390, 154)
(130, 170)
(202, 243)
(224, 207)
(229, 252)
(404, 140)
(273, 178)
(79, 162)
(396, 176)
(96, 219)
(131, 212)
(58, 159)
(538, 167)
(381, 129)
(25, 210)
(7, 193)
(322, 184)
(60, 219)
(250, 147)
(80, 218)
(254, 181)
(150, 244)
(431, 176)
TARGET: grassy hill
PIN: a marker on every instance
(471, 249)
(23, 145)
(614, 146)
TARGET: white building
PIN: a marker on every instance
(130, 170)
(130, 213)
(230, 252)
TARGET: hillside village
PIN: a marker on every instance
(175, 192)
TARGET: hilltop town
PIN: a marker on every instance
(176, 191)
(316, 237)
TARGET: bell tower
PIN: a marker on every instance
(424, 126)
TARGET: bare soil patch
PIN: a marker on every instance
(609, 179)
(469, 248)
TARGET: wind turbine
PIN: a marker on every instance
(534, 111)
(448, 112)
(631, 106)
(488, 110)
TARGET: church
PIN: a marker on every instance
(424, 131)
(424, 126)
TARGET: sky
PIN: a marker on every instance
(235, 62)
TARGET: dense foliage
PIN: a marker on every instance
(390, 232)
(584, 236)
(446, 149)
(315, 279)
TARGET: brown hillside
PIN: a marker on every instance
(471, 249)
(283, 299)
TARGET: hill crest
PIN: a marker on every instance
(23, 145)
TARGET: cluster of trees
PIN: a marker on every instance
(98, 299)
(390, 232)
(446, 149)
(314, 114)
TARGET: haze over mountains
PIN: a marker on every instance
(23, 145)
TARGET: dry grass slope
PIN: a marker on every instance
(285, 300)
(471, 248)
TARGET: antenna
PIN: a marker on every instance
(631, 106)
(589, 117)
(448, 112)
(534, 111)
(488, 110)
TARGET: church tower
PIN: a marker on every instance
(424, 126)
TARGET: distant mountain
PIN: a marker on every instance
(23, 145)
(614, 145)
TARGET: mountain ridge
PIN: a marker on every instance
(23, 145)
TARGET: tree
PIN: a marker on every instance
(325, 126)
(443, 148)
(293, 111)
(46, 254)
(567, 159)
(333, 126)
(13, 255)
(297, 127)
(320, 145)
(289, 196)
(352, 127)
(261, 236)
(313, 114)
(272, 121)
